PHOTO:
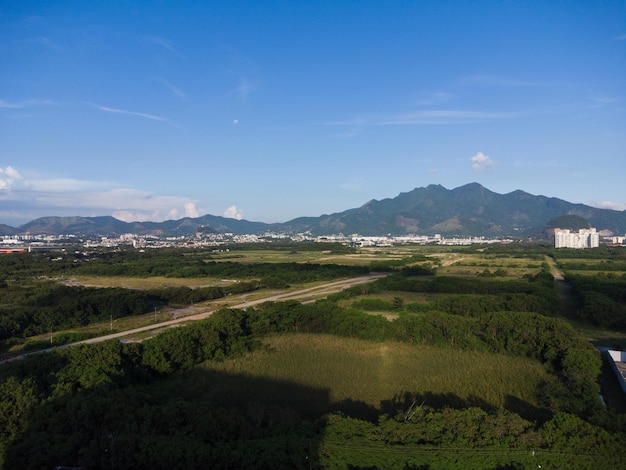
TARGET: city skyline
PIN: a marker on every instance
(273, 111)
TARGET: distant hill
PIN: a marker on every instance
(110, 226)
(467, 210)
(8, 230)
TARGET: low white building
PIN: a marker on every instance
(584, 238)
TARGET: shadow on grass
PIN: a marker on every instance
(199, 419)
(195, 420)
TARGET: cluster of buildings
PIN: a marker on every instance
(584, 238)
(18, 243)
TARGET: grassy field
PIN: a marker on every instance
(370, 372)
(472, 264)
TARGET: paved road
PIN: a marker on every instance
(311, 293)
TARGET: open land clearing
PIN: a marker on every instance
(134, 282)
(372, 372)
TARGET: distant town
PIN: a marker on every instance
(563, 238)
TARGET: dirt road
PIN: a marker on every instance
(568, 302)
(311, 293)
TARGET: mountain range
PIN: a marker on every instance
(469, 210)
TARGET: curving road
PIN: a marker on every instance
(309, 294)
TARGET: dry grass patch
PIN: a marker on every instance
(156, 282)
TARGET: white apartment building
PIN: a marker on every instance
(584, 238)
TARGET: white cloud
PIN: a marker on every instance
(480, 161)
(8, 176)
(191, 210)
(233, 213)
(616, 206)
(24, 199)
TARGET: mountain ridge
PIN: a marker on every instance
(467, 210)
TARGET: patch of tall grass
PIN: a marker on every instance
(371, 372)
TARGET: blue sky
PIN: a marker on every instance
(272, 110)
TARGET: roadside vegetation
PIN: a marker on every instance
(459, 358)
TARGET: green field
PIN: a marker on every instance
(370, 372)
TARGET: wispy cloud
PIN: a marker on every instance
(620, 38)
(426, 117)
(177, 91)
(602, 101)
(433, 98)
(133, 113)
(245, 88)
(25, 198)
(494, 80)
(446, 117)
(480, 161)
(161, 42)
(45, 42)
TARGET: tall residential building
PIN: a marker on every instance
(584, 238)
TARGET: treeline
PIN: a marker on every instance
(44, 307)
(602, 252)
(128, 406)
(540, 284)
(610, 266)
(459, 296)
(466, 304)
